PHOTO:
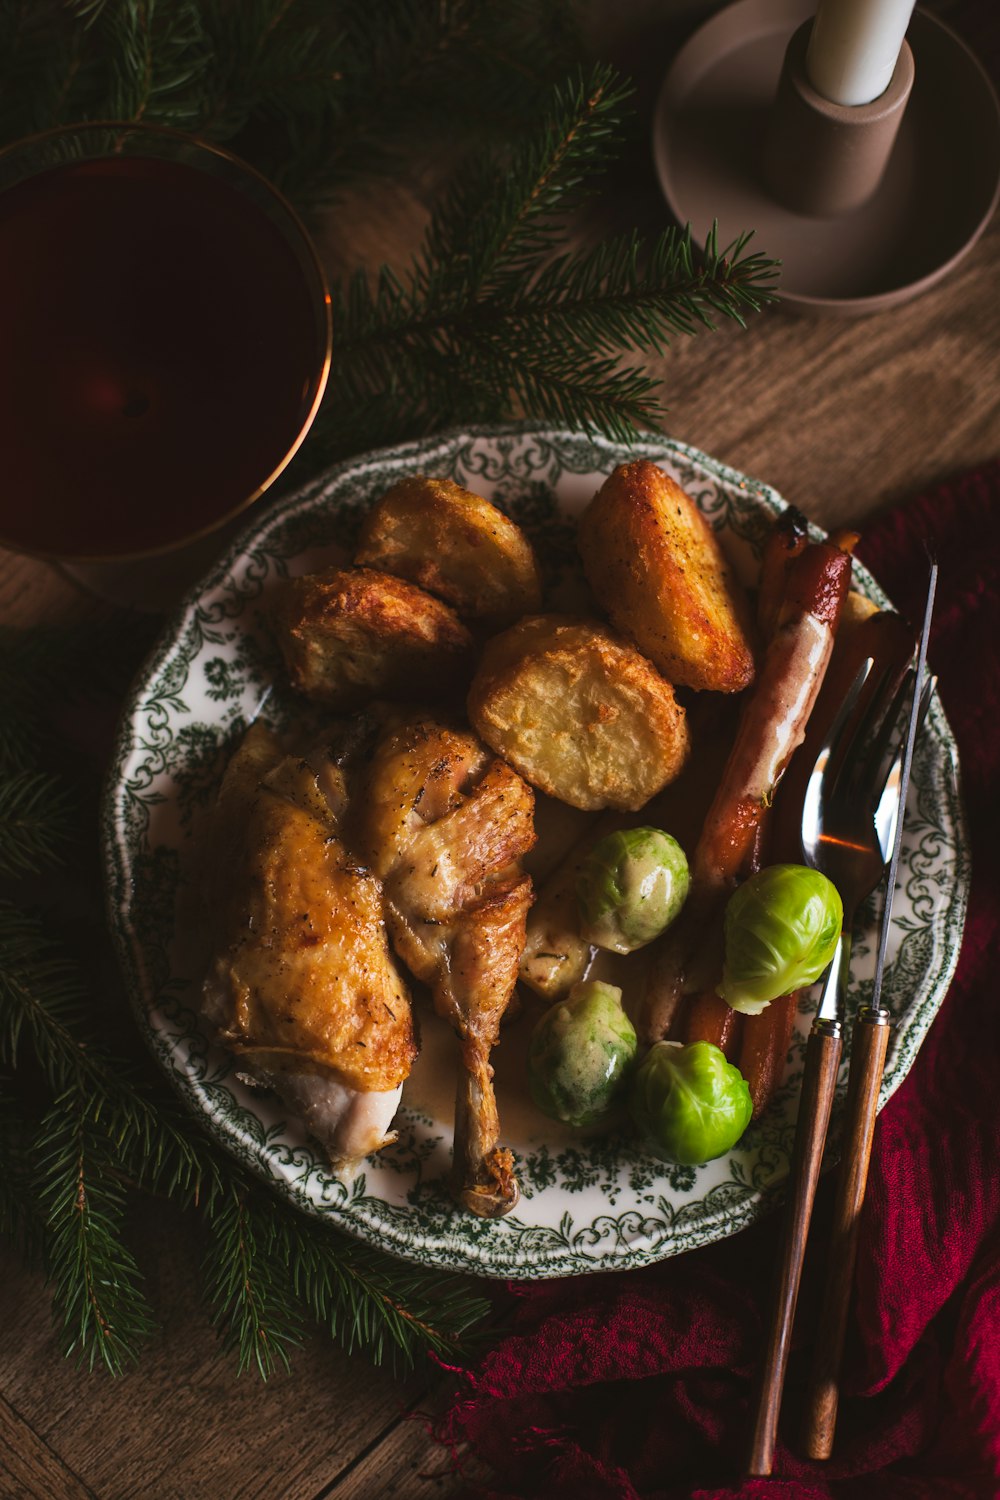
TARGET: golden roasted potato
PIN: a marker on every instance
(655, 565)
(354, 634)
(454, 544)
(578, 712)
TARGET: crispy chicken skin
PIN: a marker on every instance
(302, 987)
(444, 826)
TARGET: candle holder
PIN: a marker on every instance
(824, 159)
(864, 205)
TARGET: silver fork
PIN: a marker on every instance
(852, 802)
(848, 824)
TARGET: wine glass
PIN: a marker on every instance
(166, 340)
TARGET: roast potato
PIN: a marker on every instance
(351, 635)
(454, 544)
(655, 565)
(578, 711)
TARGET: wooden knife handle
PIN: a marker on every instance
(868, 1048)
(818, 1085)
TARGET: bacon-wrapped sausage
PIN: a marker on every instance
(816, 579)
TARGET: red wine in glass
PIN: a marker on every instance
(164, 343)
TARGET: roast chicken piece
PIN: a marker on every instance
(444, 826)
(302, 987)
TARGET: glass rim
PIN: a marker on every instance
(322, 308)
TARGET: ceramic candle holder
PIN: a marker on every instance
(865, 205)
(822, 158)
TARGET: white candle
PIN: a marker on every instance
(853, 47)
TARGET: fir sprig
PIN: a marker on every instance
(97, 1286)
(250, 1281)
(315, 92)
(493, 320)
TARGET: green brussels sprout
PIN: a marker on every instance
(782, 927)
(580, 1054)
(630, 887)
(688, 1102)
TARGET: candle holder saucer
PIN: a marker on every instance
(935, 198)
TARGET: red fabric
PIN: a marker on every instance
(640, 1384)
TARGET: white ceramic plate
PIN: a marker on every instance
(587, 1203)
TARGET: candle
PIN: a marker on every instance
(853, 48)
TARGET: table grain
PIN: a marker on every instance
(844, 418)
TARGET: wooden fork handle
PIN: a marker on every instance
(868, 1048)
(818, 1084)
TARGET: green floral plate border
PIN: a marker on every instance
(588, 1203)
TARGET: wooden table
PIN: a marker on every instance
(844, 418)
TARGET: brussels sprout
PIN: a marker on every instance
(689, 1102)
(630, 887)
(782, 927)
(580, 1054)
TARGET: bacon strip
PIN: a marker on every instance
(774, 721)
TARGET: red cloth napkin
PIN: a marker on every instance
(641, 1384)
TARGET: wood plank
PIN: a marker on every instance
(406, 1463)
(29, 1470)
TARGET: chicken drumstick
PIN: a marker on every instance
(444, 826)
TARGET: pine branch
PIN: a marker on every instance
(378, 77)
(370, 1301)
(492, 322)
(548, 340)
(96, 1283)
(158, 55)
(268, 1265)
(469, 253)
(248, 1282)
(46, 1004)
